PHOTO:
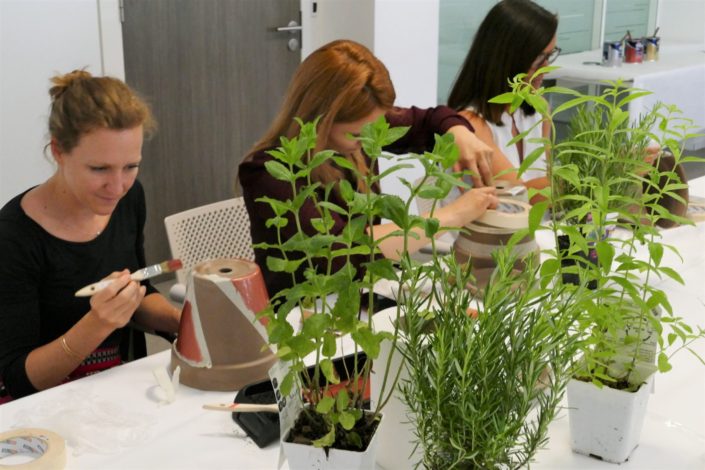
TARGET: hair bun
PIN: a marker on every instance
(62, 82)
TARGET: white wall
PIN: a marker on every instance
(38, 39)
(681, 21)
(402, 33)
(406, 41)
(336, 19)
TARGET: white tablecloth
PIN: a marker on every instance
(142, 434)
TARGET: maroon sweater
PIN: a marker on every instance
(256, 183)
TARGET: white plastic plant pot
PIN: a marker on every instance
(396, 441)
(308, 457)
(604, 422)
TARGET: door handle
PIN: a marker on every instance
(291, 28)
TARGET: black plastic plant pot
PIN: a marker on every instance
(590, 257)
(263, 428)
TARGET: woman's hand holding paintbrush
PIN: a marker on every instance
(139, 275)
(114, 305)
(116, 298)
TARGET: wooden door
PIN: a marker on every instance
(215, 72)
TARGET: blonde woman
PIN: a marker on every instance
(83, 224)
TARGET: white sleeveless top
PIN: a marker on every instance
(503, 134)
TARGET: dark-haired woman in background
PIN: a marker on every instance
(516, 36)
(81, 225)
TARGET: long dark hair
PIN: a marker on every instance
(510, 38)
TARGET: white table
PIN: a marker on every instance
(183, 436)
(678, 78)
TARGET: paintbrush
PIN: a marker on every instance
(243, 407)
(139, 275)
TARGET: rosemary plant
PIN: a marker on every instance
(484, 385)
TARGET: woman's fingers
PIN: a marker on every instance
(115, 304)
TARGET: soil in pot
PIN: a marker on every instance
(310, 426)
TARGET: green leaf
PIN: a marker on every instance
(347, 307)
(672, 274)
(354, 231)
(368, 341)
(280, 332)
(287, 383)
(323, 225)
(329, 371)
(329, 345)
(663, 364)
(504, 98)
(355, 250)
(315, 325)
(301, 345)
(344, 163)
(605, 254)
(342, 400)
(346, 190)
(320, 157)
(428, 191)
(278, 207)
(332, 207)
(656, 252)
(536, 214)
(327, 440)
(283, 265)
(431, 226)
(530, 160)
(355, 439)
(393, 208)
(549, 268)
(672, 338)
(325, 405)
(279, 171)
(571, 104)
(284, 352)
(381, 268)
(347, 420)
(277, 222)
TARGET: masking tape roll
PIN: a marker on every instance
(48, 448)
(508, 214)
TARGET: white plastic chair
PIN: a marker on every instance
(218, 230)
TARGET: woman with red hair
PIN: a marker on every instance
(345, 85)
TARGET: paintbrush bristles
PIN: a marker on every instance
(171, 265)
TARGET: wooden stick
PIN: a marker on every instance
(242, 407)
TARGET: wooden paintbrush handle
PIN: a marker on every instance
(242, 407)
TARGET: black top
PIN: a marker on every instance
(40, 273)
(257, 182)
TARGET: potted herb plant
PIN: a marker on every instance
(628, 327)
(483, 384)
(305, 322)
(478, 383)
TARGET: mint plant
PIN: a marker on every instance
(600, 180)
(327, 301)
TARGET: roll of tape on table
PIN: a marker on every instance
(48, 448)
(508, 214)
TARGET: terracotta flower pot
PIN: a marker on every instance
(220, 342)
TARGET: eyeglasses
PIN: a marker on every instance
(548, 57)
